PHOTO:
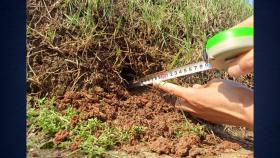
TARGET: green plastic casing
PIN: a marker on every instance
(227, 45)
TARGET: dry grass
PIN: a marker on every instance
(71, 42)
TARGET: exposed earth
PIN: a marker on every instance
(155, 111)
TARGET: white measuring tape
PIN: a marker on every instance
(174, 73)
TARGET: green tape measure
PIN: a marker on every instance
(226, 45)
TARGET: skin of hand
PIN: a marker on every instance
(244, 63)
(219, 101)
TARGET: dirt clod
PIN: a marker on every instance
(185, 144)
(226, 145)
(74, 120)
(162, 146)
(75, 144)
(60, 136)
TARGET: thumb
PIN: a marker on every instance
(179, 91)
(244, 64)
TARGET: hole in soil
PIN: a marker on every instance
(128, 74)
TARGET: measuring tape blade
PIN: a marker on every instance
(174, 73)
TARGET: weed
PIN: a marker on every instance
(31, 114)
(106, 139)
(68, 113)
(118, 55)
(190, 128)
(175, 61)
(51, 35)
(41, 101)
(50, 121)
(80, 15)
(136, 130)
(125, 135)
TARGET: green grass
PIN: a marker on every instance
(188, 127)
(47, 118)
(79, 14)
(187, 25)
(44, 121)
(136, 130)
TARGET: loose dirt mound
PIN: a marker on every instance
(150, 109)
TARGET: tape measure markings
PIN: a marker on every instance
(174, 73)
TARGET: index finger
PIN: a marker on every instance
(179, 91)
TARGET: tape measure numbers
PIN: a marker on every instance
(174, 73)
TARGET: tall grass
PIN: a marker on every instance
(181, 27)
(186, 25)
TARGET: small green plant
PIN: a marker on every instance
(106, 139)
(109, 136)
(51, 34)
(136, 130)
(175, 61)
(80, 15)
(69, 113)
(118, 54)
(125, 135)
(190, 128)
(31, 115)
(51, 121)
(41, 101)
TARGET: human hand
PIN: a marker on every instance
(219, 101)
(244, 63)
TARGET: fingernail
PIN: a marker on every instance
(234, 70)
